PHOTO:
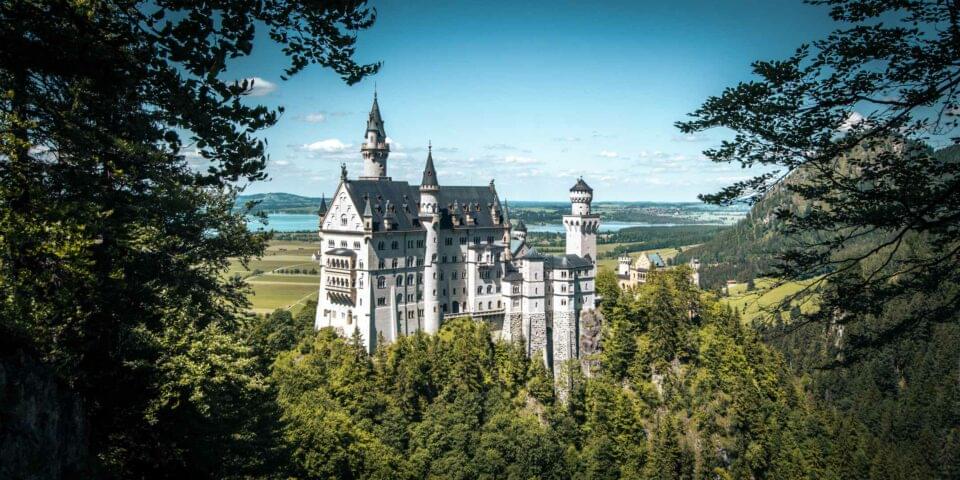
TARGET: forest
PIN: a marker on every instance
(127, 350)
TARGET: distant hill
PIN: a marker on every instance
(533, 212)
(279, 202)
(749, 248)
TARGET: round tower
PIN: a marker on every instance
(581, 195)
(430, 219)
(375, 149)
(581, 225)
(520, 232)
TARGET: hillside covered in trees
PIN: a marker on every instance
(674, 395)
(751, 247)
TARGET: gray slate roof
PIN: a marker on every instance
(581, 186)
(429, 173)
(343, 252)
(656, 260)
(568, 261)
(405, 199)
(375, 121)
(533, 254)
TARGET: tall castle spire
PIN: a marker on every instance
(375, 149)
(429, 172)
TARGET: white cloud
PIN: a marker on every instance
(330, 145)
(315, 117)
(854, 119)
(608, 154)
(518, 160)
(282, 163)
(260, 87)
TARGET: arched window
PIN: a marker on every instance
(489, 288)
(410, 279)
(399, 280)
(479, 290)
(343, 220)
(381, 282)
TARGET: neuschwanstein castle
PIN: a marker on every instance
(397, 258)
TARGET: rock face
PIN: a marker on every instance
(591, 341)
(42, 428)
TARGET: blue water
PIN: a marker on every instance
(286, 222)
(297, 222)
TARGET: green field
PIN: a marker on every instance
(753, 305)
(270, 291)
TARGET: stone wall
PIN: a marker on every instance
(538, 333)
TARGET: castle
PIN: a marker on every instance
(396, 258)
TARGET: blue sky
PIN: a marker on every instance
(532, 95)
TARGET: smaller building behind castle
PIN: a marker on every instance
(631, 273)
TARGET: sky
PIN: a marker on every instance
(529, 94)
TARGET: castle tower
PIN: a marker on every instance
(375, 149)
(581, 225)
(623, 264)
(520, 232)
(430, 218)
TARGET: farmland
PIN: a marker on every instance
(285, 277)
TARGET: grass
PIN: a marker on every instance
(753, 305)
(269, 291)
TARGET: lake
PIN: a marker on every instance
(298, 222)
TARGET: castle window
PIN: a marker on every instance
(331, 243)
(381, 282)
(379, 245)
(444, 259)
(448, 241)
(381, 264)
(409, 243)
(489, 288)
(563, 301)
(476, 240)
(356, 245)
(343, 220)
(410, 279)
(399, 280)
(499, 305)
(490, 239)
(381, 301)
(343, 243)
(516, 289)
(463, 240)
(394, 245)
(361, 265)
(419, 243)
(479, 290)
(394, 262)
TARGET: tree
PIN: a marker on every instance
(842, 125)
(112, 243)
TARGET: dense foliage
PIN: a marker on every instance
(853, 113)
(682, 391)
(112, 249)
